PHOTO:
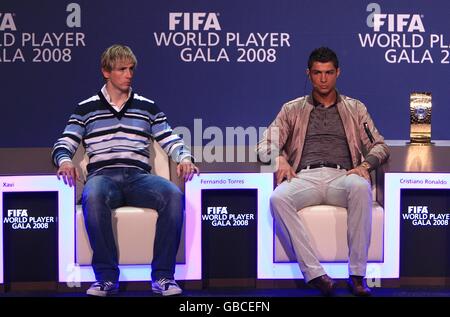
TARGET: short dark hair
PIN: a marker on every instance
(323, 55)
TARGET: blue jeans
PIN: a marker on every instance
(111, 188)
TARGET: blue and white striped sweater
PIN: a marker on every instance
(114, 139)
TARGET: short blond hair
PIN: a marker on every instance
(115, 53)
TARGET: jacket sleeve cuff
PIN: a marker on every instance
(186, 156)
(373, 161)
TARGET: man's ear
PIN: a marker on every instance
(338, 72)
(308, 73)
(106, 73)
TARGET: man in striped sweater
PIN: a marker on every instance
(116, 127)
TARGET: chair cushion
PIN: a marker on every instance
(136, 227)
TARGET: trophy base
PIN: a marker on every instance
(419, 143)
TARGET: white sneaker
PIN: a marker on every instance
(103, 289)
(166, 287)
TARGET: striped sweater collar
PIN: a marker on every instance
(122, 111)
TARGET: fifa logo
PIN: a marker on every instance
(217, 210)
(194, 21)
(393, 22)
(7, 22)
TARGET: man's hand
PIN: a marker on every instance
(361, 170)
(187, 169)
(68, 173)
(284, 170)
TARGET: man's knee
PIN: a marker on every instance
(174, 201)
(172, 192)
(359, 184)
(91, 204)
(97, 189)
(93, 195)
(277, 199)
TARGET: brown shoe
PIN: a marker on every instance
(358, 286)
(324, 284)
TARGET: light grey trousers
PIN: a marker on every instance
(324, 186)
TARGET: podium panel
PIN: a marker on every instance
(37, 231)
(229, 233)
(226, 207)
(421, 205)
(30, 236)
(425, 232)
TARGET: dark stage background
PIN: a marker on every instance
(50, 51)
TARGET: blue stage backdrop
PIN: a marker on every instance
(230, 63)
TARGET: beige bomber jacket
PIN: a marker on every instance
(286, 134)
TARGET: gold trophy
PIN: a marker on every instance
(420, 117)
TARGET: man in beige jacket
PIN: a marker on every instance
(324, 146)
